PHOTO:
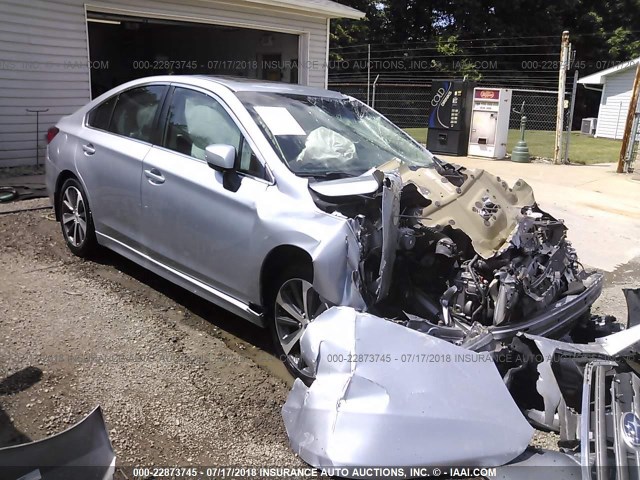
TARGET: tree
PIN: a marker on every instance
(352, 33)
(458, 34)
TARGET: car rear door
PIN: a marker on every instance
(195, 219)
(117, 136)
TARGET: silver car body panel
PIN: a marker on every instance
(204, 251)
(81, 452)
(189, 283)
(428, 403)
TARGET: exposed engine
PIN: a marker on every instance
(431, 275)
(446, 282)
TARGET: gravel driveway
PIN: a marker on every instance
(179, 380)
(104, 333)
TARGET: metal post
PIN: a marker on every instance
(368, 71)
(562, 82)
(373, 97)
(628, 161)
(571, 107)
(37, 111)
(635, 95)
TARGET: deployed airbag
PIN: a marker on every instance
(325, 148)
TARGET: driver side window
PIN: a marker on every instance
(197, 120)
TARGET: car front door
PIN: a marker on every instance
(198, 220)
(115, 140)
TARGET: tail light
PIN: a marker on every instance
(51, 134)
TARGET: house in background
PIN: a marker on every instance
(58, 54)
(616, 84)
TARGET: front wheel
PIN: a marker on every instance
(296, 304)
(76, 220)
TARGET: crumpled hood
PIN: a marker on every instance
(484, 206)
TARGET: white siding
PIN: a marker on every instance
(614, 104)
(44, 55)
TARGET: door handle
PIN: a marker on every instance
(89, 149)
(154, 175)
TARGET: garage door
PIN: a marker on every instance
(124, 48)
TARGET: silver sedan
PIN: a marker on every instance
(276, 201)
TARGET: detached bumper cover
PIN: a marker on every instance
(82, 452)
(385, 395)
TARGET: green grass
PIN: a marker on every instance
(582, 148)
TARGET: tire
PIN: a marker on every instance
(76, 221)
(290, 287)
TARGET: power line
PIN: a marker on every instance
(485, 47)
(479, 39)
(437, 42)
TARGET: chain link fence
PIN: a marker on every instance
(540, 109)
(408, 104)
(633, 155)
(405, 104)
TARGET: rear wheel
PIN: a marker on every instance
(294, 305)
(75, 219)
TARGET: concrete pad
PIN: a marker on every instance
(27, 186)
(600, 207)
(36, 181)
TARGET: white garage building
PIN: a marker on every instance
(616, 84)
(55, 55)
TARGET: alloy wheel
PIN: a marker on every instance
(297, 304)
(74, 216)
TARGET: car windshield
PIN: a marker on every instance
(319, 136)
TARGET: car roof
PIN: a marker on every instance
(240, 84)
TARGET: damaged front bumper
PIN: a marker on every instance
(560, 317)
(386, 395)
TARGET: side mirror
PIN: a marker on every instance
(220, 157)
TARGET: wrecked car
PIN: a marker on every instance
(279, 201)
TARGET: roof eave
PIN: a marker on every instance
(333, 11)
(598, 77)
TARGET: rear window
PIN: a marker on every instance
(135, 112)
(100, 116)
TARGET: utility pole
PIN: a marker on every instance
(633, 104)
(562, 82)
(571, 108)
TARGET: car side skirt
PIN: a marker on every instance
(187, 282)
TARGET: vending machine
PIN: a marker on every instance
(449, 117)
(490, 122)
